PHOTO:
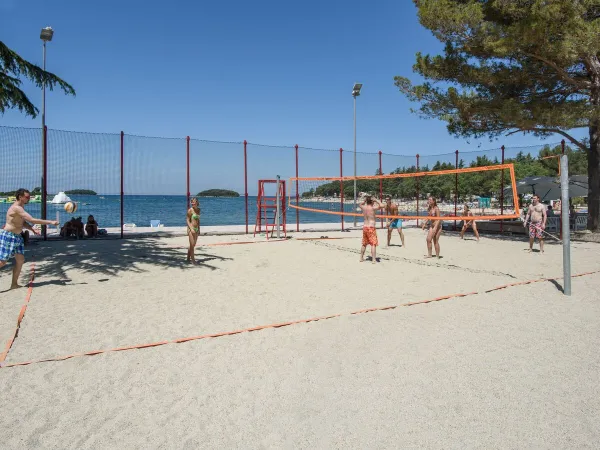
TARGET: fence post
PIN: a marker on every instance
(380, 184)
(456, 191)
(417, 189)
(246, 182)
(44, 186)
(502, 195)
(122, 190)
(297, 194)
(342, 186)
(188, 172)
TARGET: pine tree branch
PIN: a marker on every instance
(563, 74)
(579, 144)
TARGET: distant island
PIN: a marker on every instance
(80, 192)
(218, 193)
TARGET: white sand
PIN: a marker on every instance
(514, 368)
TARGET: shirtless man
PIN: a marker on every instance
(435, 228)
(537, 224)
(368, 207)
(11, 241)
(391, 209)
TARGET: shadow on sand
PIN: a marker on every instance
(109, 257)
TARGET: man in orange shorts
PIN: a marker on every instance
(368, 207)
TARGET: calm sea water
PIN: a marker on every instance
(169, 209)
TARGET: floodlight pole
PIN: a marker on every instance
(566, 238)
(354, 159)
(45, 36)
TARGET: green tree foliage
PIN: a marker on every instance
(512, 66)
(12, 67)
(218, 193)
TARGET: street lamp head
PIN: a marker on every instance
(46, 34)
(356, 89)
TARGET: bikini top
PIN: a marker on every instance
(195, 216)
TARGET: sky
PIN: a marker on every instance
(269, 72)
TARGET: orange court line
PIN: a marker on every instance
(21, 314)
(283, 324)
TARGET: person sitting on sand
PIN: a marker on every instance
(91, 227)
(193, 228)
(435, 230)
(368, 207)
(391, 209)
(468, 223)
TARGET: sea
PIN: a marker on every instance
(169, 209)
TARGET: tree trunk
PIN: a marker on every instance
(594, 177)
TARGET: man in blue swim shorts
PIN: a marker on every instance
(391, 209)
(11, 241)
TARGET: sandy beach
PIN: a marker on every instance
(511, 368)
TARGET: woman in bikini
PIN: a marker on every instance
(435, 229)
(193, 228)
(468, 223)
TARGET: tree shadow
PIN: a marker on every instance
(109, 257)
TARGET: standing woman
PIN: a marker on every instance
(435, 228)
(468, 223)
(193, 228)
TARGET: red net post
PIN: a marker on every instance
(456, 190)
(342, 185)
(187, 170)
(502, 193)
(417, 189)
(246, 181)
(297, 194)
(380, 184)
(44, 179)
(122, 190)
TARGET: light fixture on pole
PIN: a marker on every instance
(355, 93)
(46, 36)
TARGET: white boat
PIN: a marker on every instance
(60, 198)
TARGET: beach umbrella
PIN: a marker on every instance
(548, 188)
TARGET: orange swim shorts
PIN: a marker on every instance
(369, 236)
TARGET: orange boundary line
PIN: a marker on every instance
(283, 324)
(11, 340)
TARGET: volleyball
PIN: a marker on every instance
(70, 207)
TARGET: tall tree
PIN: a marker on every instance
(511, 66)
(12, 67)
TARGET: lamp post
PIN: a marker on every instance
(46, 36)
(355, 93)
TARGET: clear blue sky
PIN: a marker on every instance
(270, 72)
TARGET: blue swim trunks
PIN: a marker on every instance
(396, 223)
(10, 245)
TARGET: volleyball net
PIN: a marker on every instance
(480, 189)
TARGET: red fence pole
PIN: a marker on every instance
(417, 189)
(122, 191)
(188, 172)
(456, 190)
(342, 186)
(297, 194)
(246, 182)
(502, 194)
(44, 186)
(380, 184)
